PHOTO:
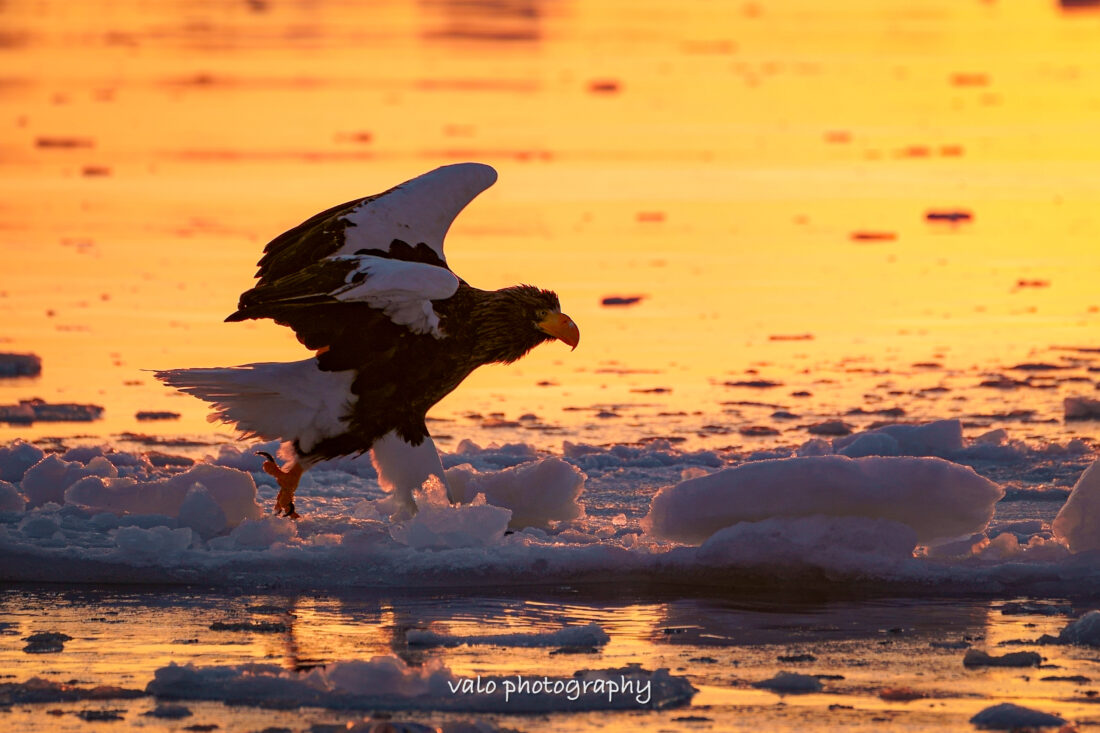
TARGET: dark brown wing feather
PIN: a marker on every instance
(314, 239)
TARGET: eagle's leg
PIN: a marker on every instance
(403, 468)
(288, 479)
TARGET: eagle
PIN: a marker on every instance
(366, 286)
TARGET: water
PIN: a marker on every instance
(722, 644)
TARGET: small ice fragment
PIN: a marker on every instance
(46, 642)
(870, 444)
(790, 683)
(1085, 630)
(754, 383)
(621, 300)
(978, 658)
(757, 430)
(20, 365)
(169, 712)
(952, 216)
(1081, 408)
(993, 437)
(145, 415)
(1007, 716)
(16, 457)
(1078, 522)
(830, 427)
(10, 498)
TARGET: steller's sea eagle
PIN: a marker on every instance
(366, 285)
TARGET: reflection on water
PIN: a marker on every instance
(722, 645)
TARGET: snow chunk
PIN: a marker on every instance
(39, 526)
(388, 683)
(1078, 522)
(538, 493)
(47, 480)
(938, 499)
(978, 658)
(1081, 408)
(1085, 630)
(257, 534)
(571, 636)
(169, 712)
(815, 447)
(231, 456)
(234, 491)
(155, 542)
(16, 458)
(838, 543)
(10, 498)
(440, 525)
(941, 438)
(85, 453)
(37, 689)
(790, 682)
(384, 675)
(202, 513)
(870, 444)
(1007, 716)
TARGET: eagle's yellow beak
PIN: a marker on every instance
(561, 327)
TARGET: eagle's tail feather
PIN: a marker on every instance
(293, 401)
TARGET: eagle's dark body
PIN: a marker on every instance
(365, 285)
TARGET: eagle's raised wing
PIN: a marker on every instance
(408, 222)
(402, 291)
(364, 274)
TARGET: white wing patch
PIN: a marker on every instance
(404, 291)
(419, 210)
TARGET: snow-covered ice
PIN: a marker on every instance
(650, 513)
(790, 683)
(937, 499)
(389, 683)
(1078, 522)
(1084, 631)
(1007, 716)
(560, 485)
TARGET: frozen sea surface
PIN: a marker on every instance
(938, 514)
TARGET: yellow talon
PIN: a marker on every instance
(287, 479)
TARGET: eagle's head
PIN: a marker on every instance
(522, 317)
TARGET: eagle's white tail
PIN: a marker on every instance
(273, 401)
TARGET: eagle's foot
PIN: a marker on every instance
(287, 479)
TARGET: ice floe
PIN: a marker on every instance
(939, 500)
(1084, 631)
(591, 514)
(1007, 716)
(1078, 521)
(386, 682)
